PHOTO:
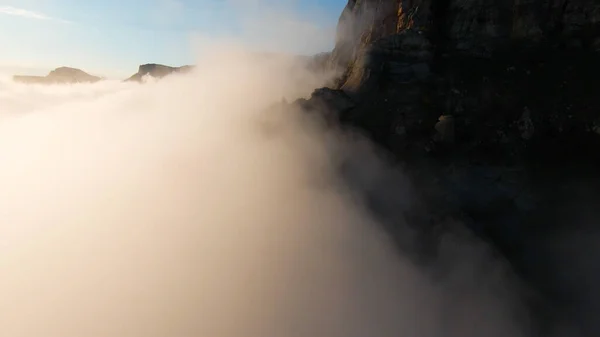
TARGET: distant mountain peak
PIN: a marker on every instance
(157, 71)
(60, 75)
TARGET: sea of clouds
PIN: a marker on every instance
(179, 208)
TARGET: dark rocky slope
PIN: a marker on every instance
(62, 75)
(492, 108)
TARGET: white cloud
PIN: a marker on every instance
(8, 10)
(177, 207)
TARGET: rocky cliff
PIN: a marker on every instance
(503, 73)
(491, 107)
(157, 71)
(62, 75)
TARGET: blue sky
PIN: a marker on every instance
(112, 37)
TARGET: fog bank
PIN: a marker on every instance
(170, 209)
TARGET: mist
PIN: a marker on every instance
(181, 208)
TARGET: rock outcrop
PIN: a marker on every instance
(157, 71)
(492, 108)
(62, 75)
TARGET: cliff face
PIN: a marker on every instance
(472, 26)
(483, 28)
(62, 75)
(517, 71)
(491, 106)
(503, 73)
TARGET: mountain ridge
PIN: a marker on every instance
(61, 75)
(157, 71)
(69, 75)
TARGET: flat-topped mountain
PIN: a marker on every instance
(62, 75)
(157, 71)
(67, 75)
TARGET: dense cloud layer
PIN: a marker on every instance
(178, 208)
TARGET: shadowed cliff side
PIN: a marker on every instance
(370, 32)
(491, 108)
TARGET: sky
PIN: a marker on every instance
(113, 37)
